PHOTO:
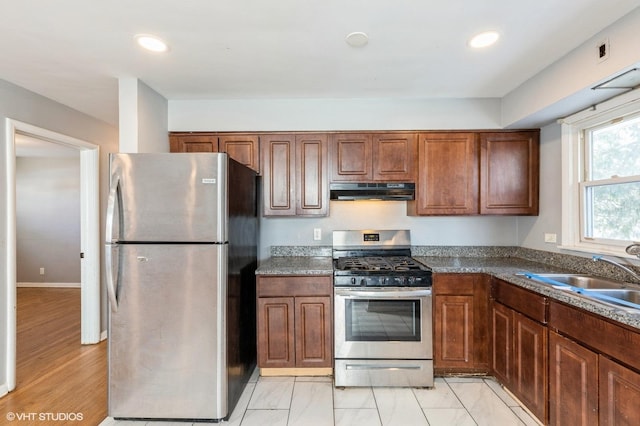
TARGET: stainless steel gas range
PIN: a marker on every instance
(382, 304)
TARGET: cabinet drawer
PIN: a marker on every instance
(296, 285)
(604, 336)
(527, 302)
(456, 284)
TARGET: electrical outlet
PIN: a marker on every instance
(317, 234)
(41, 271)
(603, 50)
(550, 238)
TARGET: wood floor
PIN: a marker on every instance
(55, 373)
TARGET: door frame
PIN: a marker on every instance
(89, 231)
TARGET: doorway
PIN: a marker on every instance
(89, 235)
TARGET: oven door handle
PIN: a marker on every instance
(383, 294)
(382, 367)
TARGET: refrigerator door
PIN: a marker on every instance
(168, 198)
(167, 340)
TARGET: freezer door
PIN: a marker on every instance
(168, 198)
(167, 342)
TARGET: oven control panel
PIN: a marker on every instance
(382, 281)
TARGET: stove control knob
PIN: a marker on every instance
(353, 281)
(363, 282)
(411, 280)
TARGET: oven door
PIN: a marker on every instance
(383, 323)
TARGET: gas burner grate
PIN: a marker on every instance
(379, 263)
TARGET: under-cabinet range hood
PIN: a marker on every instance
(392, 191)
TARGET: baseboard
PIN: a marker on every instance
(103, 335)
(53, 285)
(272, 372)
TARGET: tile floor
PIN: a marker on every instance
(313, 401)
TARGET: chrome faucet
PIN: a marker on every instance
(614, 263)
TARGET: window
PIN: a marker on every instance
(610, 189)
(601, 177)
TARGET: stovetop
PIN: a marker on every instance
(370, 258)
(358, 265)
(380, 271)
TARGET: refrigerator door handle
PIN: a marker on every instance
(111, 245)
(111, 284)
(111, 208)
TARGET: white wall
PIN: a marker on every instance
(464, 231)
(24, 106)
(565, 87)
(333, 114)
(143, 118)
(48, 219)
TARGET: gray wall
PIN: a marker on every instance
(25, 106)
(531, 230)
(143, 121)
(48, 219)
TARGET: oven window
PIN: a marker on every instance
(382, 320)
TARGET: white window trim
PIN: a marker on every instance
(572, 127)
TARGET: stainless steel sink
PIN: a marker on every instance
(576, 280)
(628, 295)
(611, 292)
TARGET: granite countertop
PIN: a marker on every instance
(506, 268)
(296, 265)
(503, 268)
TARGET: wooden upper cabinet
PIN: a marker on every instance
(509, 172)
(447, 174)
(373, 157)
(278, 182)
(394, 157)
(311, 175)
(193, 142)
(245, 149)
(351, 157)
(294, 173)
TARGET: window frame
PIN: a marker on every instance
(574, 170)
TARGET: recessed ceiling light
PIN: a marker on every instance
(151, 43)
(357, 39)
(484, 39)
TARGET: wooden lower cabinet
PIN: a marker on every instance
(529, 380)
(295, 321)
(313, 334)
(519, 344)
(519, 357)
(276, 339)
(619, 394)
(502, 343)
(594, 369)
(460, 323)
(573, 383)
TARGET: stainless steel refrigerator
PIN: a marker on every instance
(181, 249)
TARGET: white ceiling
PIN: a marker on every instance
(73, 51)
